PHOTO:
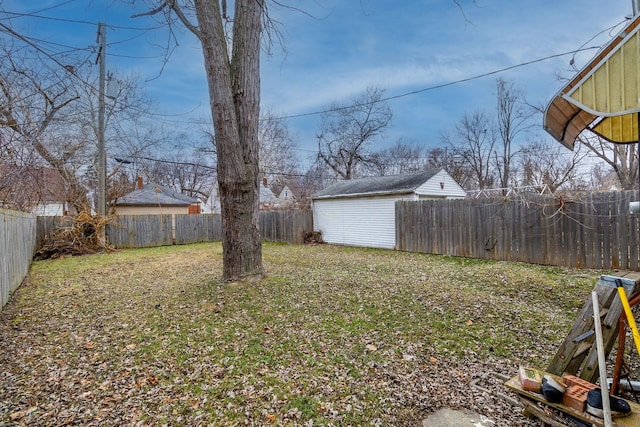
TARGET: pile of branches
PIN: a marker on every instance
(79, 235)
(312, 237)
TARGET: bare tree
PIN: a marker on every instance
(48, 116)
(33, 99)
(347, 131)
(442, 158)
(314, 179)
(512, 119)
(622, 159)
(232, 65)
(402, 157)
(185, 172)
(472, 144)
(543, 164)
(277, 150)
(600, 177)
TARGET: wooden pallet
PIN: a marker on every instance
(530, 402)
(577, 355)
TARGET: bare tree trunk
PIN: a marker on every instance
(234, 89)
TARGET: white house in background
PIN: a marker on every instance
(286, 198)
(361, 212)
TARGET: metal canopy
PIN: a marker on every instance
(604, 97)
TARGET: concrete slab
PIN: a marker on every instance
(448, 417)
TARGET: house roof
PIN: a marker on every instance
(377, 185)
(266, 195)
(154, 195)
(604, 97)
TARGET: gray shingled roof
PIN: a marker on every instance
(393, 184)
(154, 195)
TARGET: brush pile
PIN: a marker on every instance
(77, 235)
(312, 237)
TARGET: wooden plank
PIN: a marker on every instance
(572, 231)
(564, 361)
(597, 233)
(579, 210)
(479, 231)
(534, 242)
(620, 213)
(554, 237)
(590, 222)
(633, 235)
(607, 225)
(589, 370)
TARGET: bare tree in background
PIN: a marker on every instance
(443, 158)
(472, 144)
(622, 159)
(277, 150)
(347, 131)
(34, 98)
(314, 179)
(402, 157)
(48, 117)
(543, 164)
(512, 119)
(185, 173)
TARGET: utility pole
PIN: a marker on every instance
(102, 156)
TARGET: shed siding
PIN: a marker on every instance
(433, 190)
(363, 221)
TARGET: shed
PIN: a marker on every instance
(361, 212)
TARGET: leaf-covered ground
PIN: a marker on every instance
(333, 336)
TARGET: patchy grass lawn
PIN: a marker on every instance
(333, 336)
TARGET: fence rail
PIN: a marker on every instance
(594, 230)
(17, 245)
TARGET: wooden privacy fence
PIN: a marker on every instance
(17, 245)
(285, 226)
(139, 231)
(590, 230)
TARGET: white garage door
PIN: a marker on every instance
(368, 222)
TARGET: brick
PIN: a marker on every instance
(531, 379)
(576, 397)
(570, 380)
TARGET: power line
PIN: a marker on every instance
(439, 86)
(74, 21)
(173, 162)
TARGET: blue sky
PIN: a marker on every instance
(337, 48)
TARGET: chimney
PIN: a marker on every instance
(140, 183)
(264, 181)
